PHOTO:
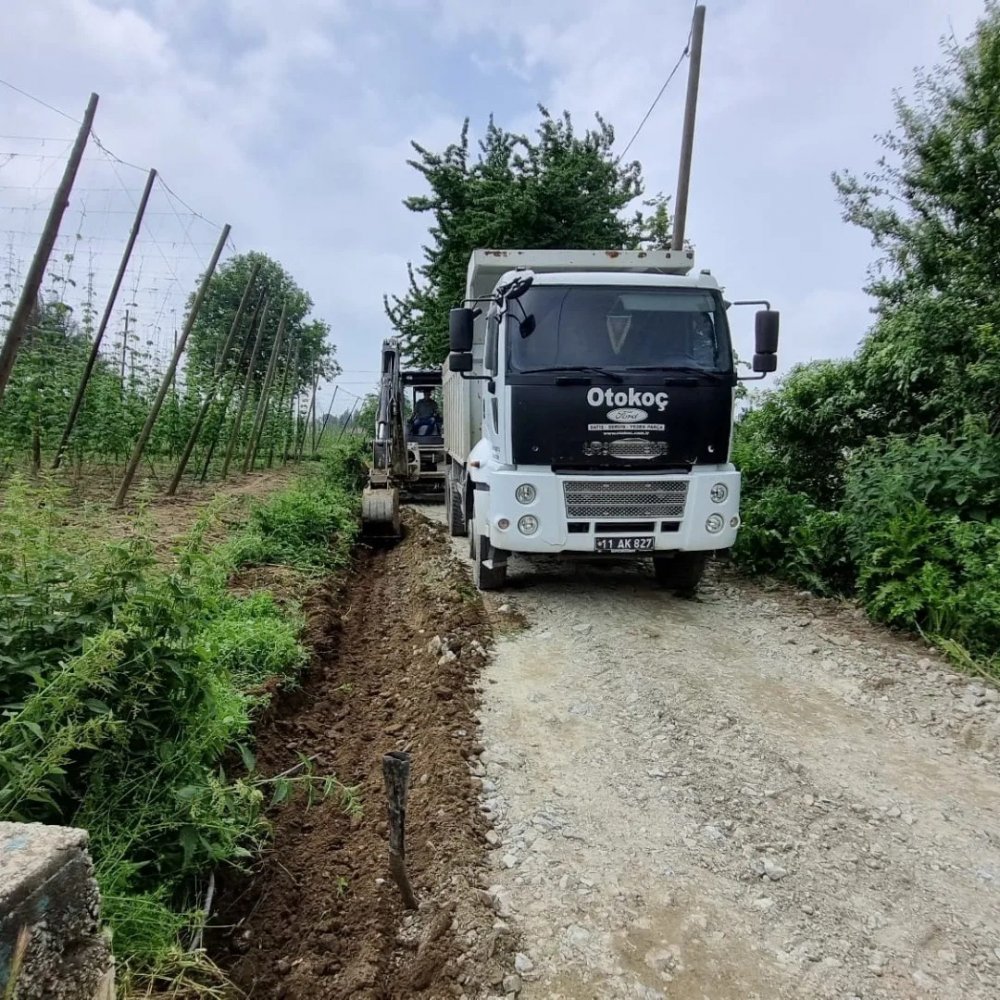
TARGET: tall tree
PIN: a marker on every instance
(558, 189)
(933, 356)
(222, 301)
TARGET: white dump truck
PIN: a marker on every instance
(588, 410)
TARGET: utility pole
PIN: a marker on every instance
(168, 376)
(36, 272)
(95, 348)
(687, 137)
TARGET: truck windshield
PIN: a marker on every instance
(618, 328)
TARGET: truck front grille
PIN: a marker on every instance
(627, 498)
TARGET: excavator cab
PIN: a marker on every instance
(408, 455)
(424, 431)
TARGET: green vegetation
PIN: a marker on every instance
(128, 689)
(126, 379)
(880, 475)
(558, 190)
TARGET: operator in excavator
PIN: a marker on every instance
(426, 418)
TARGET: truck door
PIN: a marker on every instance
(492, 390)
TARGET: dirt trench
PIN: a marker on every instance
(398, 648)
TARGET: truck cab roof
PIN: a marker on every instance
(631, 279)
(486, 267)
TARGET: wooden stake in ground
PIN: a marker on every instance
(245, 396)
(310, 421)
(210, 393)
(36, 272)
(95, 348)
(326, 420)
(265, 393)
(168, 376)
(281, 402)
(396, 774)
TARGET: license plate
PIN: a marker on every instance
(624, 543)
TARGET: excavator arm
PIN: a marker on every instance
(380, 499)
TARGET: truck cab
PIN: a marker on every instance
(589, 410)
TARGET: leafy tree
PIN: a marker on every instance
(220, 305)
(558, 189)
(933, 356)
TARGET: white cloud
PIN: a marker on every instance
(790, 92)
(293, 122)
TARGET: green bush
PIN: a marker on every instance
(917, 537)
(785, 534)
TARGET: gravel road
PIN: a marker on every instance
(756, 794)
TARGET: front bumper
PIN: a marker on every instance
(636, 508)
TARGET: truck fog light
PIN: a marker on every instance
(715, 523)
(734, 522)
(719, 492)
(525, 493)
(502, 523)
(528, 525)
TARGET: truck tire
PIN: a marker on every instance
(482, 576)
(457, 526)
(680, 573)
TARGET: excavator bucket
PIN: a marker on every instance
(380, 520)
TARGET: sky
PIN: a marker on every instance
(292, 121)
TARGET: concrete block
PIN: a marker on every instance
(47, 887)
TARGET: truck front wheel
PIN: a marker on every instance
(681, 572)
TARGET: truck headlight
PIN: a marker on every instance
(714, 523)
(525, 493)
(719, 492)
(528, 525)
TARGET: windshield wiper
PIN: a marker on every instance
(592, 369)
(685, 370)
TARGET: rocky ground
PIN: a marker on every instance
(755, 794)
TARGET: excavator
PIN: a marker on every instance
(408, 457)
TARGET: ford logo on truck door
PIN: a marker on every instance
(627, 415)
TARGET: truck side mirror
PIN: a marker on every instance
(766, 333)
(765, 363)
(460, 331)
(459, 361)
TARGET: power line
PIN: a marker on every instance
(100, 145)
(656, 100)
(38, 100)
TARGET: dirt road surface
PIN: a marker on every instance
(751, 795)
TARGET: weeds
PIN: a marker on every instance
(124, 685)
